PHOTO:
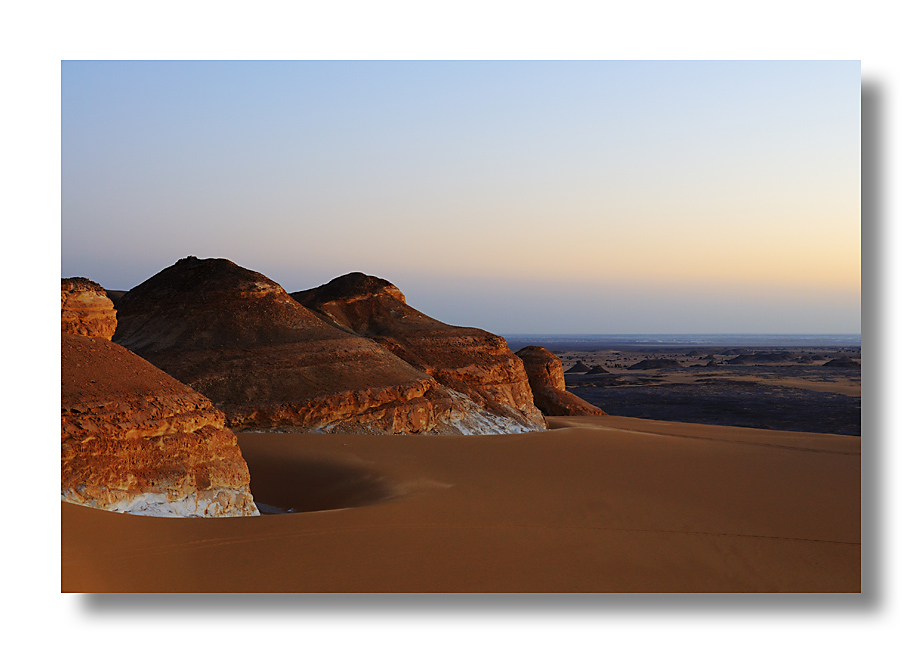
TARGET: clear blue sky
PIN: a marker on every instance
(521, 197)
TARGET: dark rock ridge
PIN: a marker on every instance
(135, 440)
(545, 376)
(761, 357)
(655, 364)
(842, 361)
(579, 368)
(267, 361)
(470, 361)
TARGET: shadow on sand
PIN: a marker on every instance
(283, 484)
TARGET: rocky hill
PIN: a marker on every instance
(545, 376)
(133, 439)
(267, 361)
(469, 361)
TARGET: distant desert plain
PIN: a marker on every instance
(222, 435)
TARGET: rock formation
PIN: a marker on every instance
(469, 361)
(85, 309)
(135, 440)
(598, 369)
(842, 361)
(761, 357)
(545, 376)
(267, 361)
(655, 364)
(579, 368)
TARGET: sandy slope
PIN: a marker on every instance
(599, 504)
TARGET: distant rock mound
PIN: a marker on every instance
(85, 309)
(579, 368)
(470, 361)
(842, 361)
(761, 357)
(267, 361)
(655, 364)
(545, 376)
(598, 369)
(135, 440)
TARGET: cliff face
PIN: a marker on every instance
(267, 361)
(135, 440)
(85, 309)
(545, 375)
(470, 361)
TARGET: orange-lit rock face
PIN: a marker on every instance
(267, 361)
(85, 309)
(545, 375)
(470, 361)
(135, 440)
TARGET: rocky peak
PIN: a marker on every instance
(366, 305)
(212, 303)
(351, 287)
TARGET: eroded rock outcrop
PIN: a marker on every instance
(267, 361)
(133, 439)
(545, 375)
(471, 362)
(85, 309)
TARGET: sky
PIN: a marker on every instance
(519, 197)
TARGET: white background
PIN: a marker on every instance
(36, 36)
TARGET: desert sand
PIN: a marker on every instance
(597, 504)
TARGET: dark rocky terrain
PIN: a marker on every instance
(799, 388)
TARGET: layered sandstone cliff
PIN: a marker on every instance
(135, 440)
(85, 309)
(545, 375)
(470, 361)
(267, 361)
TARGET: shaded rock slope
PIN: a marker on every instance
(469, 361)
(267, 361)
(135, 440)
(545, 376)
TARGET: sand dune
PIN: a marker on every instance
(598, 504)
